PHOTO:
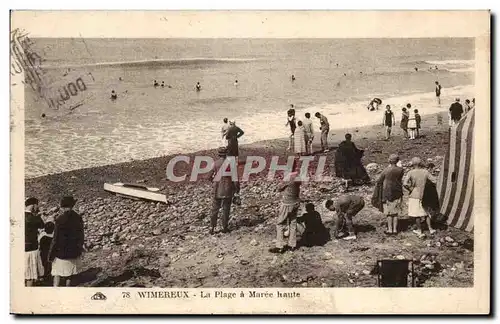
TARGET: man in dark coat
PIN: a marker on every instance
(224, 189)
(348, 164)
(456, 111)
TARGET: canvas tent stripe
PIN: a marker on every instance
(448, 170)
(461, 182)
(443, 175)
(454, 169)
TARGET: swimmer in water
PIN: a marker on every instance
(155, 84)
(293, 77)
(416, 69)
(43, 115)
(236, 83)
(345, 74)
(163, 84)
(198, 86)
(337, 65)
(120, 78)
(113, 95)
(435, 67)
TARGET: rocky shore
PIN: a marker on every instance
(145, 244)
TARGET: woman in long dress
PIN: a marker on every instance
(300, 144)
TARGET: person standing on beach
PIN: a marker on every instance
(467, 105)
(348, 165)
(67, 244)
(346, 207)
(391, 182)
(404, 120)
(308, 127)
(198, 86)
(415, 182)
(418, 121)
(456, 111)
(292, 122)
(233, 134)
(300, 142)
(33, 265)
(438, 91)
(388, 121)
(325, 129)
(287, 215)
(223, 131)
(224, 190)
(412, 126)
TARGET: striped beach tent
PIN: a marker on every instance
(456, 179)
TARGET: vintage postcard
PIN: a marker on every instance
(250, 162)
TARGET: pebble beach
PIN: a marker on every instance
(145, 244)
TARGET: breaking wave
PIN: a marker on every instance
(154, 63)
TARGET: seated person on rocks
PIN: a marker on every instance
(346, 207)
(315, 232)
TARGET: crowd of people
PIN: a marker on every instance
(52, 249)
(388, 192)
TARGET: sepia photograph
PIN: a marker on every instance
(245, 169)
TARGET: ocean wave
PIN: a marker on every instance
(451, 62)
(154, 62)
(465, 70)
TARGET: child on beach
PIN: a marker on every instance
(404, 121)
(415, 182)
(418, 121)
(388, 121)
(346, 207)
(412, 126)
(44, 243)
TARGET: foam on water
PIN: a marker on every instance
(125, 143)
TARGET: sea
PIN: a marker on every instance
(337, 77)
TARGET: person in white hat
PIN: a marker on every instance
(415, 182)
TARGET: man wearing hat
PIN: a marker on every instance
(67, 244)
(391, 181)
(224, 189)
(456, 111)
(415, 183)
(33, 268)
